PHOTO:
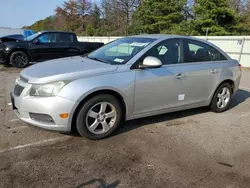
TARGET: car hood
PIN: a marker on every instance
(10, 39)
(65, 69)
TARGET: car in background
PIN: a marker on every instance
(129, 78)
(43, 46)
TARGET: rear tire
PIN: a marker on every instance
(222, 98)
(19, 59)
(99, 117)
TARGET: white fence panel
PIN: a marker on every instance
(97, 39)
(237, 47)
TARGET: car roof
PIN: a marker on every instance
(162, 36)
(51, 31)
(165, 36)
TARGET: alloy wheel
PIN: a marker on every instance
(223, 97)
(101, 118)
(20, 60)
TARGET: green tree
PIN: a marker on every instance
(126, 17)
(90, 31)
(156, 16)
(46, 24)
(216, 16)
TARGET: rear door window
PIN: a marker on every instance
(64, 38)
(195, 51)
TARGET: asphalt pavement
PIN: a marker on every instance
(193, 148)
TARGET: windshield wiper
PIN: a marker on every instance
(97, 59)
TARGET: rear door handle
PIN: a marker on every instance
(214, 71)
(179, 76)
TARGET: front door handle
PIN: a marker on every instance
(179, 76)
(214, 71)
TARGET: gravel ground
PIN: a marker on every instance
(194, 148)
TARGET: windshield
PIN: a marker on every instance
(121, 50)
(30, 38)
(28, 33)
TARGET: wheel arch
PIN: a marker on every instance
(230, 81)
(19, 49)
(114, 93)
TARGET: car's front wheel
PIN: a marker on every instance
(19, 59)
(222, 98)
(99, 117)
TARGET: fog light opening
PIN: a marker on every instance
(42, 118)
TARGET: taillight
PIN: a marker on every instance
(240, 67)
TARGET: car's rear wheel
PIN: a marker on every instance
(99, 117)
(222, 98)
(19, 59)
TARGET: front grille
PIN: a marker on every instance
(18, 90)
(2, 55)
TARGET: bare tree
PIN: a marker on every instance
(240, 6)
(118, 14)
(83, 9)
(67, 15)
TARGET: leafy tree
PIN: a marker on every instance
(90, 31)
(125, 17)
(46, 24)
(214, 15)
(155, 16)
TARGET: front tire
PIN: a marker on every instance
(99, 117)
(222, 98)
(19, 59)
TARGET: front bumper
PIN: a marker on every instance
(3, 56)
(24, 106)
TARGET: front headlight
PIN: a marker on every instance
(47, 90)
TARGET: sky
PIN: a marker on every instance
(19, 13)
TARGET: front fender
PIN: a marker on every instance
(17, 49)
(121, 82)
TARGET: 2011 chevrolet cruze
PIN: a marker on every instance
(126, 79)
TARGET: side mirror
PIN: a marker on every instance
(151, 62)
(36, 41)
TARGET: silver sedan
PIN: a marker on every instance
(129, 78)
